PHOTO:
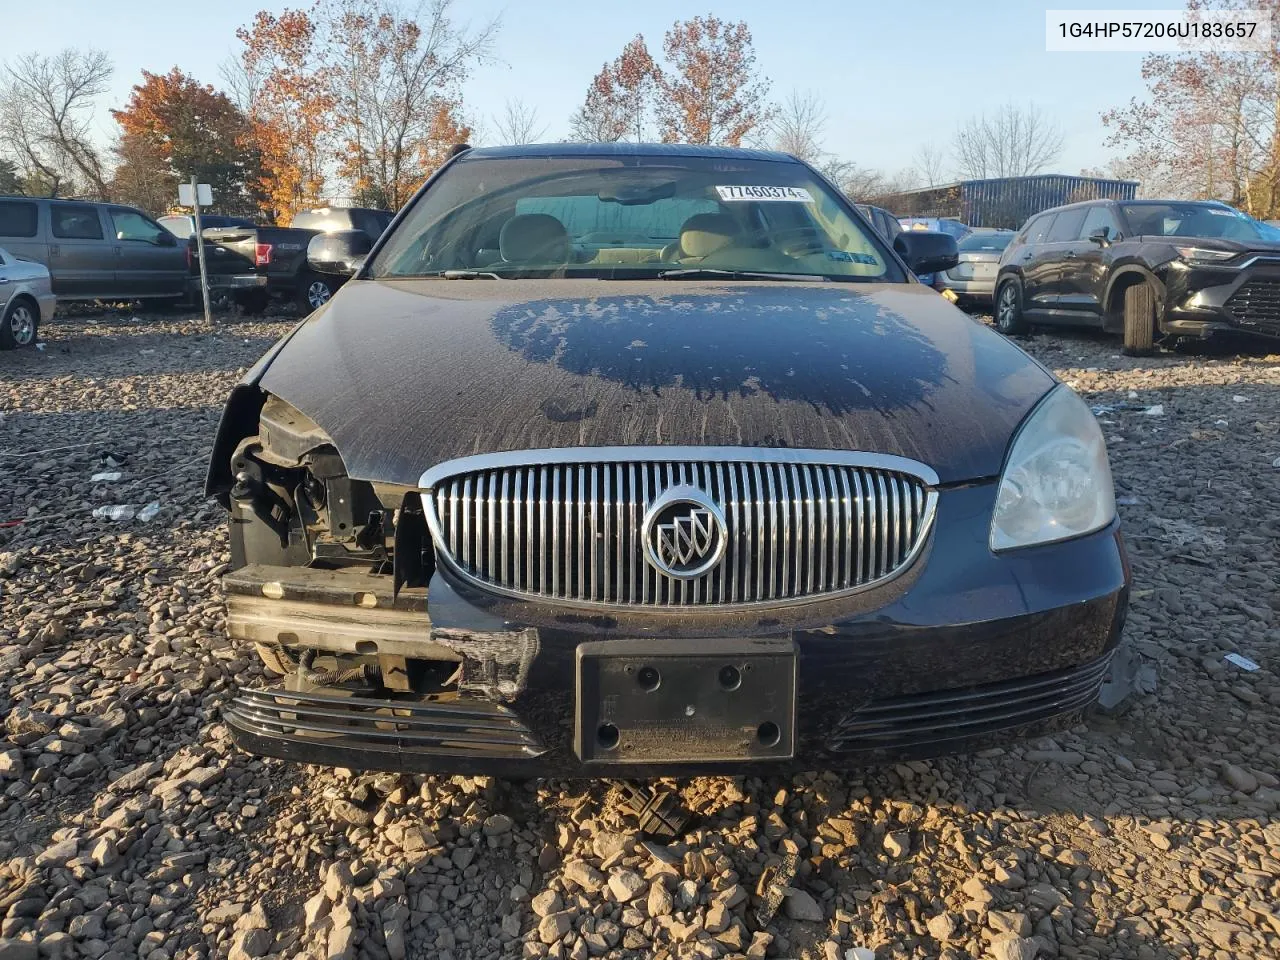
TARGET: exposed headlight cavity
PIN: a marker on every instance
(1057, 481)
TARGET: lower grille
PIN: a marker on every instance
(778, 526)
(317, 720)
(1256, 305)
(957, 714)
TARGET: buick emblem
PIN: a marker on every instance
(684, 533)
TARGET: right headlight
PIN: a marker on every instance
(1057, 481)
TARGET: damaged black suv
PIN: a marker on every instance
(618, 460)
(1145, 269)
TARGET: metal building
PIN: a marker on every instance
(1004, 201)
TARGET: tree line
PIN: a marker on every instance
(362, 99)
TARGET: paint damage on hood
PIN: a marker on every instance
(403, 374)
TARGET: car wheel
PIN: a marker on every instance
(1139, 320)
(1009, 318)
(314, 293)
(21, 322)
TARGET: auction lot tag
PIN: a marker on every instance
(789, 194)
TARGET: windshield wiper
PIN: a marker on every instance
(468, 275)
(708, 273)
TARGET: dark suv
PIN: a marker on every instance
(1143, 268)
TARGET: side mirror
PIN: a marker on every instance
(166, 239)
(341, 253)
(1101, 236)
(927, 251)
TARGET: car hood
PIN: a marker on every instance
(404, 374)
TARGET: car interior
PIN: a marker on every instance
(637, 225)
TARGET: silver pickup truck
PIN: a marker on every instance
(95, 251)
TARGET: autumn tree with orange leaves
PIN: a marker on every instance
(620, 98)
(708, 91)
(289, 108)
(711, 91)
(174, 128)
(362, 95)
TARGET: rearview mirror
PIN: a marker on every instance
(927, 251)
(1101, 236)
(341, 253)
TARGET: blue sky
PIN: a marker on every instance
(893, 75)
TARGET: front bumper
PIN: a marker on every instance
(963, 650)
(1202, 300)
(976, 290)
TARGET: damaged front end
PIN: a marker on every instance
(329, 584)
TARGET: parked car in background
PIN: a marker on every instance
(523, 500)
(1143, 269)
(26, 300)
(95, 251)
(183, 225)
(255, 263)
(972, 281)
(368, 220)
(885, 223)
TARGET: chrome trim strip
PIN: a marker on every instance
(674, 454)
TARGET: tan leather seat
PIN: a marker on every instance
(706, 233)
(534, 238)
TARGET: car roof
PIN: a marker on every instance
(625, 150)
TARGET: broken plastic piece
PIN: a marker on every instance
(859, 953)
(1156, 410)
(108, 476)
(1244, 663)
(658, 811)
(120, 511)
(775, 881)
(149, 511)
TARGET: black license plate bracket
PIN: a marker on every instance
(685, 701)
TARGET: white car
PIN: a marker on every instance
(26, 300)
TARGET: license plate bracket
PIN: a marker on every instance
(685, 701)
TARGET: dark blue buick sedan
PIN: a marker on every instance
(619, 460)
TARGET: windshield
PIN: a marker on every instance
(985, 242)
(1190, 220)
(632, 217)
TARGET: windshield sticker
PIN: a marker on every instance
(1219, 212)
(845, 257)
(789, 194)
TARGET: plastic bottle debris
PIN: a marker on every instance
(1220, 423)
(1276, 462)
(1126, 501)
(1244, 663)
(1157, 410)
(120, 511)
(108, 476)
(1239, 399)
(1133, 394)
(859, 953)
(149, 511)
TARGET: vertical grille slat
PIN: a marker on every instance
(572, 531)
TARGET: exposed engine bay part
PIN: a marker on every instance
(287, 476)
(348, 610)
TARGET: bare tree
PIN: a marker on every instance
(518, 123)
(1012, 142)
(798, 126)
(930, 164)
(45, 108)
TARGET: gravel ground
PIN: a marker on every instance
(130, 826)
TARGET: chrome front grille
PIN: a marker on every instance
(567, 524)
